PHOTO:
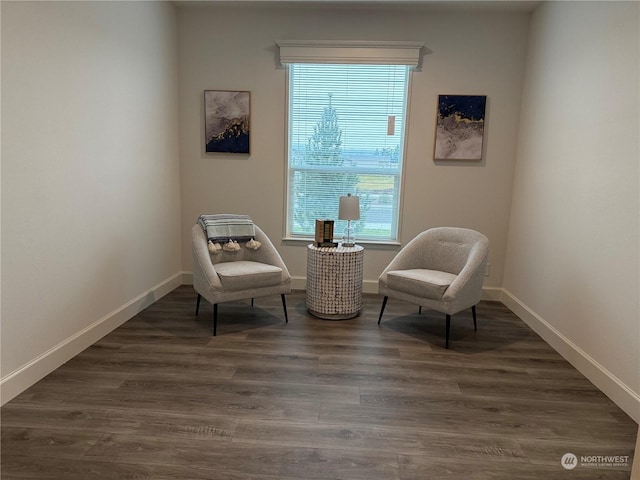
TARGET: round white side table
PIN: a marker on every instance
(334, 281)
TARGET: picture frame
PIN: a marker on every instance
(460, 122)
(227, 121)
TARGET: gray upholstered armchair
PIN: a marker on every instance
(246, 273)
(442, 269)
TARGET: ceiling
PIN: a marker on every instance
(516, 6)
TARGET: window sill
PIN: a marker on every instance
(373, 245)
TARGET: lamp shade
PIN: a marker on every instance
(349, 207)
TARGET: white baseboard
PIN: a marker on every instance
(607, 382)
(492, 294)
(371, 286)
(19, 380)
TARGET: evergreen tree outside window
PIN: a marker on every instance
(346, 135)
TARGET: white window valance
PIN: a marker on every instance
(351, 52)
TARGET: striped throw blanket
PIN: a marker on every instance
(225, 227)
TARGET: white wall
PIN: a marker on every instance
(90, 175)
(472, 53)
(572, 263)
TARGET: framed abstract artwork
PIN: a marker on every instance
(226, 121)
(460, 127)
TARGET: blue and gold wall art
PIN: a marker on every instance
(226, 124)
(460, 127)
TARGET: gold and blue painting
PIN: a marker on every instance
(226, 123)
(460, 127)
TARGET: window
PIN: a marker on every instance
(346, 135)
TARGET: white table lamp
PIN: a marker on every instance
(349, 210)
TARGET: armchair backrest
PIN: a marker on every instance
(448, 249)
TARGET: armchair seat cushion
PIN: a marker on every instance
(421, 282)
(245, 275)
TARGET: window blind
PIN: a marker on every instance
(346, 135)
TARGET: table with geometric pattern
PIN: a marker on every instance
(334, 281)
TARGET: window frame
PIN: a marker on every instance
(399, 176)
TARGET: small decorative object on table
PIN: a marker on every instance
(324, 234)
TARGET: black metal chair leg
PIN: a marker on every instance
(215, 318)
(419, 309)
(448, 329)
(475, 322)
(198, 304)
(284, 306)
(384, 304)
(252, 302)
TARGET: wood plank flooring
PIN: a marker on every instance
(160, 398)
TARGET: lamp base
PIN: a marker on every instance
(349, 237)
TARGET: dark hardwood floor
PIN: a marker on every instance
(161, 398)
